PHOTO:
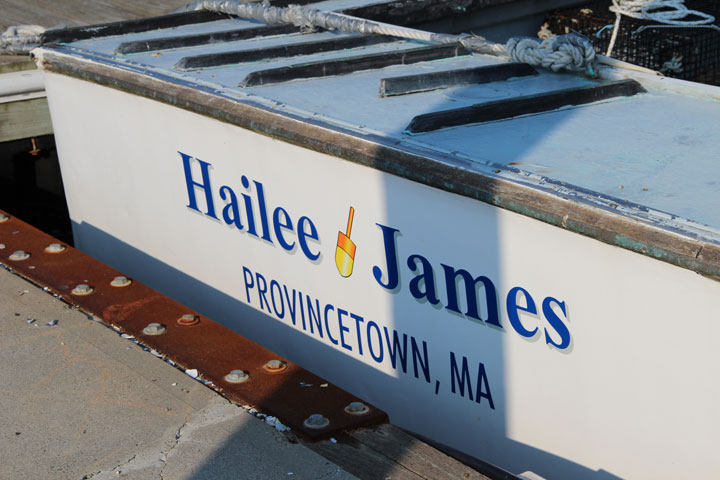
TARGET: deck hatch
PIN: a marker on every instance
(183, 41)
(281, 51)
(452, 78)
(75, 34)
(347, 65)
(528, 104)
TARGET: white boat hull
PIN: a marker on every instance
(613, 376)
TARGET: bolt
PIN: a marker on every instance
(19, 255)
(237, 376)
(82, 289)
(120, 281)
(357, 408)
(316, 421)
(188, 320)
(154, 329)
(3, 218)
(55, 248)
(275, 366)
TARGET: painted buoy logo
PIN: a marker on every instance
(345, 251)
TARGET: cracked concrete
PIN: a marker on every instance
(78, 401)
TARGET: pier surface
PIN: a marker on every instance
(49, 13)
(80, 401)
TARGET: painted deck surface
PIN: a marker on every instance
(655, 150)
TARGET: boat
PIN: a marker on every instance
(517, 263)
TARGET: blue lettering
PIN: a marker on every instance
(280, 314)
(291, 307)
(302, 312)
(314, 316)
(393, 278)
(249, 282)
(343, 329)
(482, 387)
(231, 212)
(279, 224)
(205, 185)
(426, 279)
(304, 235)
(513, 307)
(263, 211)
(358, 319)
(333, 340)
(556, 323)
(471, 287)
(424, 365)
(262, 290)
(463, 379)
(248, 207)
(379, 357)
(395, 350)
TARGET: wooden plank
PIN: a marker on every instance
(360, 460)
(291, 49)
(25, 118)
(130, 26)
(184, 41)
(425, 82)
(414, 454)
(524, 105)
(15, 63)
(358, 63)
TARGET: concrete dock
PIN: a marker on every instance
(80, 401)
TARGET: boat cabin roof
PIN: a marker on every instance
(634, 148)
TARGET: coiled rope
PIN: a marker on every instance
(19, 40)
(571, 52)
(665, 12)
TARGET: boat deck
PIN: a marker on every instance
(561, 134)
(604, 188)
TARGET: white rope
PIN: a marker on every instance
(19, 40)
(665, 12)
(571, 52)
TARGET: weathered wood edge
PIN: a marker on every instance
(594, 221)
(24, 118)
(386, 451)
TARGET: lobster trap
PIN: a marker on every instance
(684, 52)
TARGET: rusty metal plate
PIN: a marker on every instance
(192, 341)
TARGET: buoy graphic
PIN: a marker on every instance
(345, 252)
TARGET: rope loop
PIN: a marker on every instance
(666, 12)
(573, 52)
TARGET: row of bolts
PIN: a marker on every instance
(315, 421)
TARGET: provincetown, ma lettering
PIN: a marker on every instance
(364, 337)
